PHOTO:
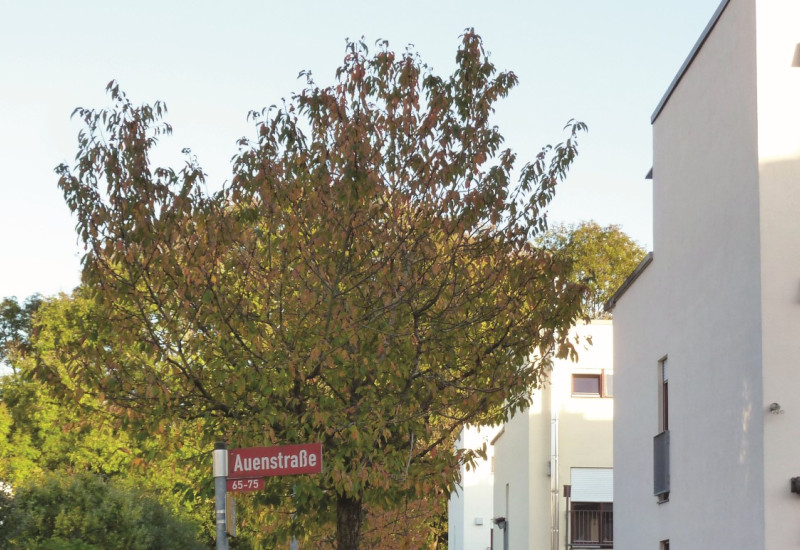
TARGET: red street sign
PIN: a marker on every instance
(283, 460)
(245, 485)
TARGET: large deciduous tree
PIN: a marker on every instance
(366, 279)
(599, 257)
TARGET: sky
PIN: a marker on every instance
(604, 63)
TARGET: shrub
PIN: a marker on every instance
(84, 512)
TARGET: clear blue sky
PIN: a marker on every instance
(605, 63)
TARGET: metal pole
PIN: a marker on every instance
(220, 478)
(293, 544)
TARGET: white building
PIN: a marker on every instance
(564, 438)
(469, 511)
(706, 347)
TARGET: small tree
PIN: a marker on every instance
(366, 280)
(599, 257)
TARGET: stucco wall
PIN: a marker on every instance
(779, 170)
(523, 451)
(699, 304)
(637, 520)
(470, 509)
(585, 423)
(511, 477)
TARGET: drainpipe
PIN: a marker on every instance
(568, 496)
(554, 511)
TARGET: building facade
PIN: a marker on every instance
(563, 439)
(706, 427)
(469, 510)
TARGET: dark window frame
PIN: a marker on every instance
(663, 395)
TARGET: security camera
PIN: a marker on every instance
(775, 408)
(500, 522)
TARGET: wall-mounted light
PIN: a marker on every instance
(500, 522)
(775, 408)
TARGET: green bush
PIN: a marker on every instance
(84, 512)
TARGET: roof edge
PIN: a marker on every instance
(629, 281)
(688, 62)
(495, 438)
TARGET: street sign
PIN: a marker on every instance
(282, 460)
(245, 485)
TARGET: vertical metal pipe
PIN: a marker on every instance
(555, 403)
(220, 460)
(505, 525)
(293, 544)
(568, 496)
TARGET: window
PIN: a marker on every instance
(663, 396)
(591, 509)
(587, 385)
(592, 524)
(661, 475)
(593, 384)
(664, 545)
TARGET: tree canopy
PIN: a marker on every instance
(45, 432)
(601, 258)
(367, 279)
(16, 327)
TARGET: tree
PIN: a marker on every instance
(600, 257)
(44, 432)
(83, 512)
(15, 326)
(366, 280)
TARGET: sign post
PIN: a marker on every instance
(220, 480)
(244, 470)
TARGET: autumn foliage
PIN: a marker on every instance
(365, 280)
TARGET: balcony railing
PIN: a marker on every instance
(661, 463)
(592, 528)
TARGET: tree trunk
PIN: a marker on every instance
(349, 517)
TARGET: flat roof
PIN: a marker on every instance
(689, 59)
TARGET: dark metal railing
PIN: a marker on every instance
(661, 463)
(592, 528)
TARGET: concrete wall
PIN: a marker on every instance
(699, 304)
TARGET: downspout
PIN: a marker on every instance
(568, 496)
(554, 511)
